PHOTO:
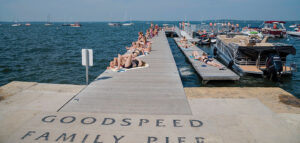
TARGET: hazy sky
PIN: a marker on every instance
(114, 10)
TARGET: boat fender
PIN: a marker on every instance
(215, 51)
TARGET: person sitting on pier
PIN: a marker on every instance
(132, 48)
(147, 48)
(204, 58)
(184, 42)
(148, 36)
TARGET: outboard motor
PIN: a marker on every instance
(273, 67)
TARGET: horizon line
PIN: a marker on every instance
(147, 21)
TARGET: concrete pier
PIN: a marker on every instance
(153, 90)
(219, 115)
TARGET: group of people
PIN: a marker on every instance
(142, 46)
(185, 43)
(204, 58)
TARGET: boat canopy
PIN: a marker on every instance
(274, 22)
(254, 51)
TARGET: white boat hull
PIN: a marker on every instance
(294, 33)
(14, 25)
(127, 24)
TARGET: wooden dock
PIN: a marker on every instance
(207, 73)
(156, 89)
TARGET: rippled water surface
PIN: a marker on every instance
(53, 54)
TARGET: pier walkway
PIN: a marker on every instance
(207, 73)
(156, 89)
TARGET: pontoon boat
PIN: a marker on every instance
(250, 55)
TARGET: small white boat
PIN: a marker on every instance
(75, 25)
(294, 33)
(48, 24)
(294, 25)
(27, 24)
(114, 24)
(127, 24)
(48, 21)
(16, 24)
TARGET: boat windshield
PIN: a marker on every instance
(274, 25)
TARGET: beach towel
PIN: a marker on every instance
(125, 69)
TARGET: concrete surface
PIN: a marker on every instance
(153, 90)
(224, 120)
(269, 96)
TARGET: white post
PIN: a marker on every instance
(87, 66)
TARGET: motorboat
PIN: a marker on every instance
(274, 29)
(114, 24)
(252, 31)
(75, 25)
(250, 55)
(27, 24)
(294, 25)
(16, 24)
(127, 24)
(294, 33)
(213, 39)
(48, 24)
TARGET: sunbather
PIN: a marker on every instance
(133, 47)
(204, 58)
(129, 62)
(184, 43)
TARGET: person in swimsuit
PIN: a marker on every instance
(206, 60)
(130, 62)
(184, 42)
(132, 48)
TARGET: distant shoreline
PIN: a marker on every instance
(219, 20)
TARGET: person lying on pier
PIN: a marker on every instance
(122, 58)
(130, 62)
(204, 58)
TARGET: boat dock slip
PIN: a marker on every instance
(156, 89)
(206, 72)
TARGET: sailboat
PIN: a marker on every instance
(16, 24)
(113, 23)
(126, 23)
(48, 21)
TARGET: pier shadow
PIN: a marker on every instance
(103, 78)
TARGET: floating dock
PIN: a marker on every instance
(207, 73)
(156, 89)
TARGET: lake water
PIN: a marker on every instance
(53, 54)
